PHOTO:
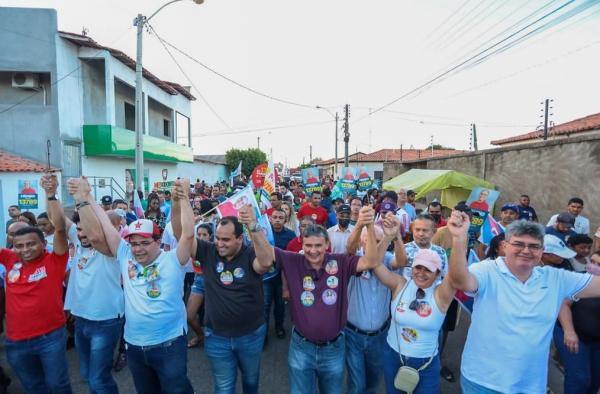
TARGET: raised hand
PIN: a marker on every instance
(49, 183)
(458, 224)
(181, 189)
(79, 188)
(391, 225)
(247, 216)
(366, 215)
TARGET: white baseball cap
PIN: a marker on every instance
(143, 227)
(428, 259)
(555, 245)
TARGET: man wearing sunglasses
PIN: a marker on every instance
(516, 303)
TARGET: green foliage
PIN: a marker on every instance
(438, 146)
(250, 158)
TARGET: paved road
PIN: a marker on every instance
(274, 368)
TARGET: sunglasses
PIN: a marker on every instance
(414, 305)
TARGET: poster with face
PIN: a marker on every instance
(27, 195)
(348, 179)
(310, 178)
(365, 182)
(482, 199)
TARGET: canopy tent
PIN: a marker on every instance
(455, 186)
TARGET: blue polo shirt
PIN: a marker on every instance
(511, 325)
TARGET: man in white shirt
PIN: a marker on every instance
(339, 234)
(574, 207)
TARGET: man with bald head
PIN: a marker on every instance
(10, 233)
(404, 204)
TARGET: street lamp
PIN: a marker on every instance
(140, 22)
(335, 171)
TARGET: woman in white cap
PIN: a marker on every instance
(418, 309)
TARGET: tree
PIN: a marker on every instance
(438, 146)
(250, 159)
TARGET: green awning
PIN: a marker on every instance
(107, 140)
(454, 185)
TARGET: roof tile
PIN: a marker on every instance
(13, 163)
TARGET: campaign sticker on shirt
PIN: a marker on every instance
(332, 282)
(307, 298)
(238, 273)
(424, 309)
(329, 297)
(331, 267)
(132, 269)
(220, 267)
(226, 277)
(366, 275)
(410, 335)
(308, 284)
(153, 290)
(401, 307)
(314, 216)
(14, 274)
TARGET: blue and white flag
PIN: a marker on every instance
(236, 172)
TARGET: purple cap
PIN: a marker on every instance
(388, 206)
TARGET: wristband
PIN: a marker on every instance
(52, 198)
(81, 204)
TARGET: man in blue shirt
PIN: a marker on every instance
(404, 204)
(272, 285)
(526, 211)
(516, 303)
(563, 226)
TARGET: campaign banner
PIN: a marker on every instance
(478, 218)
(164, 186)
(232, 205)
(365, 182)
(482, 199)
(348, 179)
(310, 178)
(27, 196)
(264, 176)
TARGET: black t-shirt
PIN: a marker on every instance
(233, 291)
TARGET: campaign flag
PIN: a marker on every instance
(310, 178)
(259, 174)
(137, 205)
(232, 205)
(490, 229)
(336, 191)
(482, 199)
(348, 180)
(264, 198)
(365, 182)
(466, 301)
(477, 219)
(237, 172)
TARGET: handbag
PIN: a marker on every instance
(407, 378)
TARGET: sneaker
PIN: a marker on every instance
(120, 362)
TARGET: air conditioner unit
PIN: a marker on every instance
(26, 81)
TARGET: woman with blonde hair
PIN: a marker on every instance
(292, 220)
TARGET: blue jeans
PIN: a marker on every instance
(41, 362)
(364, 361)
(95, 342)
(160, 368)
(272, 293)
(469, 387)
(308, 362)
(582, 369)
(429, 378)
(227, 354)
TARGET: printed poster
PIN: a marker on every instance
(28, 194)
(310, 178)
(348, 179)
(483, 199)
(365, 182)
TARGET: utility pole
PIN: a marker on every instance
(310, 154)
(474, 136)
(139, 22)
(346, 133)
(335, 172)
(258, 142)
(431, 145)
(546, 104)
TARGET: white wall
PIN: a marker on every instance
(211, 173)
(9, 190)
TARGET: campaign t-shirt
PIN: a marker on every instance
(94, 290)
(319, 214)
(318, 298)
(233, 291)
(154, 308)
(34, 292)
(527, 213)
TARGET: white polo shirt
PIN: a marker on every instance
(511, 325)
(339, 238)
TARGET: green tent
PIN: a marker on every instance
(455, 186)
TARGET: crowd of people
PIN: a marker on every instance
(371, 282)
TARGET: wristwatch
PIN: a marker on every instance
(255, 227)
(52, 198)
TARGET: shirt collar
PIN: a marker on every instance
(535, 273)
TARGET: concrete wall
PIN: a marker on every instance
(211, 173)
(94, 92)
(550, 172)
(28, 38)
(123, 93)
(157, 114)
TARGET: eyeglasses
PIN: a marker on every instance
(521, 246)
(414, 305)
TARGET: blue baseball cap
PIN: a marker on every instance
(510, 206)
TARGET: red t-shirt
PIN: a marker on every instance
(34, 302)
(269, 212)
(319, 214)
(295, 245)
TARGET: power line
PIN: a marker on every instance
(456, 67)
(210, 107)
(260, 129)
(267, 96)
(438, 27)
(458, 24)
